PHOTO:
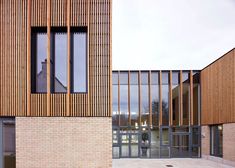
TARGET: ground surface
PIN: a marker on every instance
(162, 163)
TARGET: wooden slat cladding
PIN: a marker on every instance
(79, 12)
(218, 91)
(58, 105)
(38, 105)
(13, 57)
(39, 13)
(95, 15)
(99, 61)
(79, 105)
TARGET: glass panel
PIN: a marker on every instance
(155, 143)
(124, 105)
(115, 115)
(144, 78)
(145, 143)
(195, 151)
(155, 104)
(186, 103)
(115, 137)
(185, 145)
(165, 136)
(185, 77)
(176, 104)
(60, 61)
(165, 152)
(134, 105)
(134, 145)
(165, 78)
(154, 78)
(125, 145)
(216, 141)
(134, 78)
(180, 129)
(9, 149)
(175, 151)
(196, 77)
(220, 143)
(195, 136)
(79, 62)
(115, 152)
(144, 105)
(115, 78)
(196, 104)
(39, 61)
(165, 105)
(175, 78)
(123, 78)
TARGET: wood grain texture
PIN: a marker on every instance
(17, 18)
(218, 91)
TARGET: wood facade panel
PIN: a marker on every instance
(17, 18)
(218, 90)
(13, 57)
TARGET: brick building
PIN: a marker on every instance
(61, 105)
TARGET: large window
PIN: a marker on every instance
(115, 115)
(58, 61)
(144, 99)
(134, 99)
(124, 115)
(165, 98)
(155, 98)
(39, 62)
(216, 140)
(79, 66)
(175, 98)
(7, 143)
(186, 97)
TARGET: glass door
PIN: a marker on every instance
(124, 145)
(129, 145)
(134, 145)
(180, 145)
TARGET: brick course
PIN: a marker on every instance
(229, 141)
(63, 142)
(205, 145)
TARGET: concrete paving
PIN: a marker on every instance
(164, 163)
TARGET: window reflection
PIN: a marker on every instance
(175, 98)
(196, 98)
(165, 98)
(60, 61)
(134, 105)
(124, 115)
(115, 115)
(144, 99)
(79, 65)
(39, 63)
(155, 98)
(186, 97)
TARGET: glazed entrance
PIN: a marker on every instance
(156, 143)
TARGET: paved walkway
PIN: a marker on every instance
(164, 163)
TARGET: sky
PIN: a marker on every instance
(171, 34)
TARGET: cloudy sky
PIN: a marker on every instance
(171, 34)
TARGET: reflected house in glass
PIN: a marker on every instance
(41, 80)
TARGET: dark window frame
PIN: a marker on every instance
(34, 31)
(216, 141)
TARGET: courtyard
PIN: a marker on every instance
(163, 163)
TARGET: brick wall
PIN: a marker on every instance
(205, 140)
(229, 141)
(66, 142)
